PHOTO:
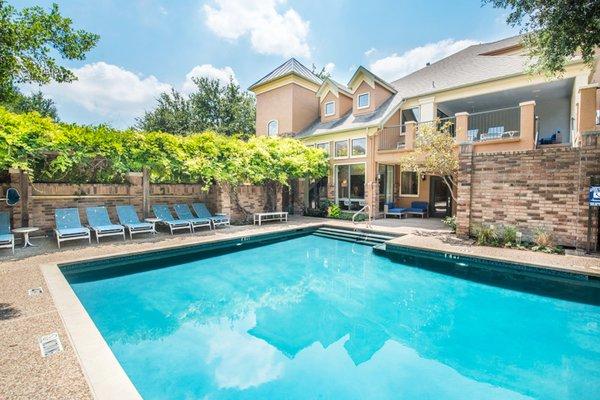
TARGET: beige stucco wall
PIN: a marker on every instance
(378, 95)
(343, 104)
(294, 106)
(404, 201)
(305, 108)
(274, 104)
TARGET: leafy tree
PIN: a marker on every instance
(225, 109)
(27, 39)
(555, 30)
(51, 151)
(434, 154)
(20, 103)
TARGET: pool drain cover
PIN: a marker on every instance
(50, 344)
(35, 291)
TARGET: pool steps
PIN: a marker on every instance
(368, 238)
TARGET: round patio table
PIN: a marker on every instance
(153, 221)
(26, 231)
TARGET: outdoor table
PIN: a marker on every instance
(26, 231)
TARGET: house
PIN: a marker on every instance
(484, 92)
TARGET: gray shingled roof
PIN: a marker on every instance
(291, 66)
(468, 66)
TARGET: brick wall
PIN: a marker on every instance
(542, 188)
(39, 200)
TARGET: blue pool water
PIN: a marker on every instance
(317, 318)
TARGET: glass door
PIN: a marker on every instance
(350, 186)
(386, 184)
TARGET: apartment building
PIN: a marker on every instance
(484, 92)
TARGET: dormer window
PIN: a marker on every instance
(364, 100)
(273, 128)
(329, 108)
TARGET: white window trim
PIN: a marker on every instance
(335, 156)
(350, 147)
(337, 198)
(328, 147)
(418, 186)
(269, 123)
(358, 107)
(325, 109)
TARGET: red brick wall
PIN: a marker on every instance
(39, 200)
(542, 188)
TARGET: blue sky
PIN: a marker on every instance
(148, 46)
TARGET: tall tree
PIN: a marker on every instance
(20, 103)
(555, 30)
(225, 109)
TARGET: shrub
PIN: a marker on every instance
(485, 235)
(450, 223)
(509, 235)
(334, 211)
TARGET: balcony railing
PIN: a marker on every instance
(448, 122)
(392, 137)
(497, 124)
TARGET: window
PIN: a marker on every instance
(329, 108)
(364, 100)
(409, 183)
(273, 128)
(350, 185)
(359, 147)
(411, 114)
(341, 148)
(324, 146)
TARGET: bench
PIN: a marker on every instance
(270, 216)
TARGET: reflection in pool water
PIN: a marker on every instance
(318, 318)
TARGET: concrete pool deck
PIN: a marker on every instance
(23, 318)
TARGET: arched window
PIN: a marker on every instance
(273, 128)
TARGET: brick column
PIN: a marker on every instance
(410, 132)
(135, 190)
(527, 124)
(463, 192)
(299, 192)
(371, 186)
(589, 173)
(20, 212)
(462, 126)
(586, 113)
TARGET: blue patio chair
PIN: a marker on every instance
(7, 239)
(472, 134)
(217, 219)
(162, 212)
(495, 132)
(68, 226)
(129, 218)
(391, 209)
(418, 208)
(184, 213)
(100, 223)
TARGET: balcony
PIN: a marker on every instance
(392, 138)
(503, 123)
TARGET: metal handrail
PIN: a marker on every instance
(367, 207)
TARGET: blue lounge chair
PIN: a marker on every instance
(68, 226)
(7, 239)
(129, 218)
(391, 209)
(217, 219)
(100, 223)
(162, 211)
(419, 208)
(184, 213)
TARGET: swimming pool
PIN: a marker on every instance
(311, 317)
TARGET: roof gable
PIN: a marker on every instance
(363, 74)
(329, 85)
(290, 67)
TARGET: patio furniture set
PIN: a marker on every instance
(419, 208)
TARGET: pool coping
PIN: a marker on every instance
(104, 374)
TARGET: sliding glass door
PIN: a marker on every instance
(350, 186)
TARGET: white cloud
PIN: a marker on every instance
(207, 70)
(370, 52)
(270, 31)
(397, 66)
(329, 67)
(116, 94)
